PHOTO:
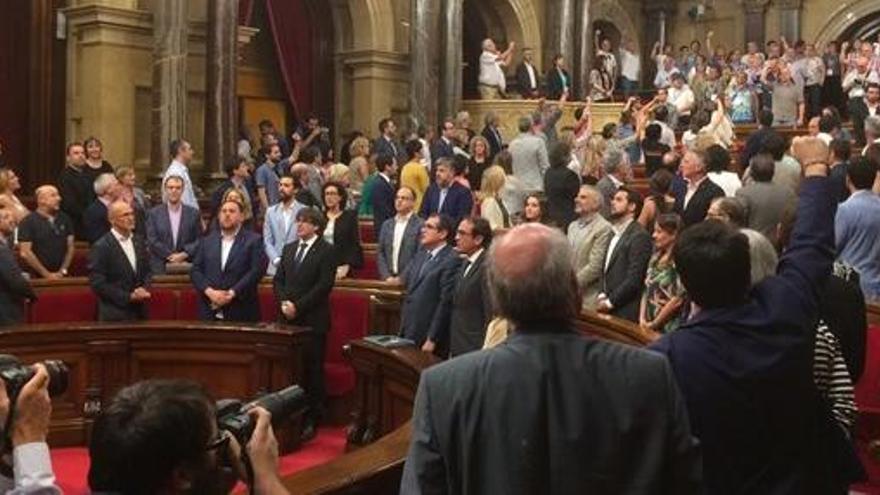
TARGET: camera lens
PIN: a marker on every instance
(58, 377)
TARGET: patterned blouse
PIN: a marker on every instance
(661, 286)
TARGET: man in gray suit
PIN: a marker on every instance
(588, 236)
(471, 309)
(279, 227)
(14, 288)
(399, 237)
(523, 417)
(529, 153)
(617, 171)
(765, 201)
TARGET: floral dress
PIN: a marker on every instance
(741, 106)
(662, 284)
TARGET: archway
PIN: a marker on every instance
(611, 16)
(861, 18)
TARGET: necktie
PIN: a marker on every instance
(425, 265)
(467, 267)
(443, 193)
(300, 253)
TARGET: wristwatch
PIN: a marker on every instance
(63, 271)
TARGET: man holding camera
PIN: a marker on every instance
(161, 436)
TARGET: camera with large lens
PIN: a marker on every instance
(232, 414)
(15, 375)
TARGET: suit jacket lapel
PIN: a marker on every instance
(624, 237)
(233, 251)
(124, 257)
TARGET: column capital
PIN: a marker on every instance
(789, 4)
(656, 8)
(754, 6)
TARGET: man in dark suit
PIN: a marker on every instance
(238, 174)
(386, 143)
(626, 258)
(227, 268)
(119, 268)
(493, 135)
(446, 196)
(755, 142)
(525, 417)
(693, 202)
(744, 361)
(399, 237)
(471, 307)
(444, 146)
(863, 108)
(76, 187)
(95, 218)
(430, 281)
(14, 288)
(173, 228)
(302, 284)
(527, 79)
(383, 190)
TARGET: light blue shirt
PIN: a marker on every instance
(857, 234)
(267, 178)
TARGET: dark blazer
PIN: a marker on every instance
(746, 372)
(112, 278)
(160, 241)
(458, 204)
(624, 278)
(307, 285)
(754, 145)
(77, 193)
(408, 246)
(471, 308)
(347, 241)
(842, 308)
(495, 139)
(245, 267)
(699, 203)
(427, 306)
(383, 201)
(14, 288)
(95, 222)
(525, 417)
(561, 185)
(524, 82)
(226, 185)
(858, 113)
(441, 149)
(382, 146)
(554, 83)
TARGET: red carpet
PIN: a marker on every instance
(72, 465)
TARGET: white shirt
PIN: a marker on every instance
(309, 244)
(692, 187)
(491, 73)
(683, 99)
(630, 65)
(180, 170)
(226, 243)
(471, 260)
(533, 80)
(618, 230)
(32, 471)
(400, 223)
(127, 248)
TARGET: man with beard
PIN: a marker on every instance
(267, 176)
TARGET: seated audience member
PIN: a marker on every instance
(430, 284)
(660, 200)
(238, 171)
(840, 154)
(652, 149)
(414, 175)
(728, 210)
(302, 284)
(461, 446)
(175, 421)
(399, 237)
(45, 237)
(9, 185)
(95, 219)
(664, 296)
(14, 287)
(382, 193)
(588, 236)
(227, 269)
(561, 185)
(755, 142)
(268, 175)
(617, 173)
(786, 171)
(764, 201)
(857, 226)
(446, 196)
(76, 188)
(279, 227)
(626, 258)
(535, 209)
(492, 206)
(119, 268)
(471, 308)
(96, 165)
(717, 164)
(341, 231)
(751, 350)
(31, 465)
(693, 201)
(173, 229)
(479, 161)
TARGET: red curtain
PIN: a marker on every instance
(292, 31)
(245, 12)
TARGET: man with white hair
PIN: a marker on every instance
(492, 79)
(617, 172)
(523, 417)
(589, 235)
(95, 222)
(872, 132)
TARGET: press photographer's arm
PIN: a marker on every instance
(31, 464)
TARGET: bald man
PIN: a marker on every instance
(549, 410)
(46, 235)
(119, 268)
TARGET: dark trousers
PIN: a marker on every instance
(314, 375)
(832, 94)
(813, 100)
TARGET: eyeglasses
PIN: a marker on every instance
(220, 441)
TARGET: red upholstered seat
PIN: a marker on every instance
(64, 305)
(268, 307)
(350, 316)
(368, 232)
(187, 305)
(163, 304)
(868, 402)
(370, 270)
(79, 265)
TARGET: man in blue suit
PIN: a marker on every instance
(446, 196)
(228, 266)
(444, 147)
(383, 190)
(279, 228)
(399, 237)
(744, 361)
(430, 283)
(386, 143)
(173, 228)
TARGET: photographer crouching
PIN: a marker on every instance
(162, 436)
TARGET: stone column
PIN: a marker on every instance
(169, 78)
(790, 19)
(221, 104)
(654, 28)
(424, 87)
(584, 59)
(755, 25)
(450, 93)
(561, 20)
